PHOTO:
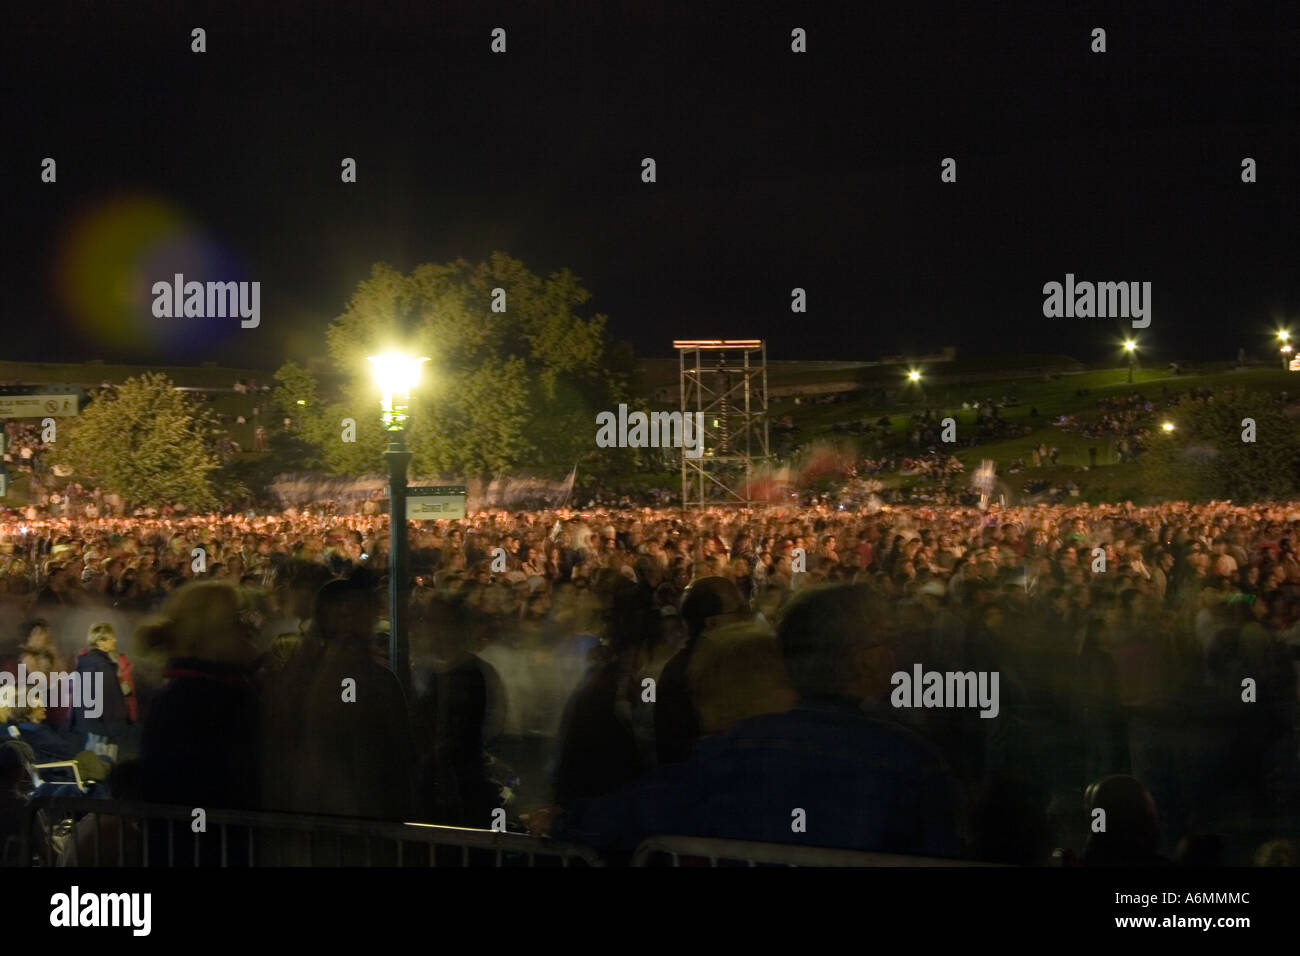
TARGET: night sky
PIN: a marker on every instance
(775, 169)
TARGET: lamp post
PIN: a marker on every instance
(1283, 335)
(1130, 348)
(396, 375)
(914, 377)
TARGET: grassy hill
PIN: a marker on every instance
(1038, 403)
(880, 390)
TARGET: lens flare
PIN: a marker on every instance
(112, 256)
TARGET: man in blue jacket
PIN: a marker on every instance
(835, 771)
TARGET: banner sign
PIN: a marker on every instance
(40, 401)
(428, 502)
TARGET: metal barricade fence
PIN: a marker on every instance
(81, 831)
(704, 851)
(88, 832)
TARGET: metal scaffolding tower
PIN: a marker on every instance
(726, 380)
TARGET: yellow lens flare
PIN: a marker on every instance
(101, 271)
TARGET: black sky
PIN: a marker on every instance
(775, 170)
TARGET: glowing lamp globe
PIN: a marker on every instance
(396, 375)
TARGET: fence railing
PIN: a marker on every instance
(88, 832)
(79, 831)
(705, 851)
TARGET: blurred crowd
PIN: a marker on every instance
(607, 674)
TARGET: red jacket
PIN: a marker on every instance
(124, 675)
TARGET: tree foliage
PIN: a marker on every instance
(1205, 456)
(503, 390)
(148, 443)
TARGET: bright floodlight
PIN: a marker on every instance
(1129, 345)
(914, 376)
(396, 375)
(1283, 334)
(1168, 426)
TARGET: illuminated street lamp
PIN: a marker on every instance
(1283, 335)
(914, 378)
(1168, 426)
(397, 375)
(1130, 348)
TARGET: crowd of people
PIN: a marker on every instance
(1130, 420)
(55, 490)
(23, 447)
(604, 675)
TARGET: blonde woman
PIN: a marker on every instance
(104, 720)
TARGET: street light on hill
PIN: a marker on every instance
(397, 375)
(1130, 349)
(1283, 336)
(914, 378)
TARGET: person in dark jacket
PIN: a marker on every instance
(39, 653)
(834, 771)
(339, 733)
(200, 742)
(16, 783)
(29, 725)
(597, 748)
(102, 717)
(1131, 836)
(454, 783)
(50, 745)
(706, 603)
(199, 746)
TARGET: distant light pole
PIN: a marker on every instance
(1130, 347)
(914, 376)
(1286, 350)
(396, 375)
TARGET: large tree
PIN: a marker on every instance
(148, 443)
(514, 379)
(1207, 456)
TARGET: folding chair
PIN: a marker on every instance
(76, 780)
